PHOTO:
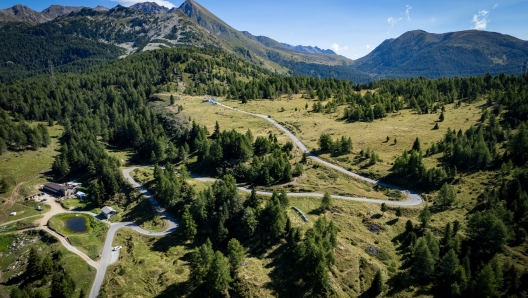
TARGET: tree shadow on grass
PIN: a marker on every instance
(286, 281)
(392, 222)
(182, 289)
(317, 211)
(399, 283)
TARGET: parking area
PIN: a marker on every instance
(114, 256)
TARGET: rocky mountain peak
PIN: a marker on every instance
(150, 7)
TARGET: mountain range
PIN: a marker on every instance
(121, 31)
(462, 53)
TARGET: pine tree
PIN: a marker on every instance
(171, 99)
(201, 259)
(47, 265)
(216, 132)
(253, 200)
(326, 202)
(461, 278)
(188, 225)
(218, 277)
(384, 207)
(399, 212)
(441, 118)
(378, 283)
(425, 216)
(283, 198)
(447, 195)
(235, 255)
(278, 219)
(320, 276)
(447, 266)
(456, 227)
(447, 236)
(423, 266)
(304, 158)
(485, 284)
(249, 222)
(33, 266)
(433, 245)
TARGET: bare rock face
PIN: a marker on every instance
(309, 49)
(101, 8)
(55, 11)
(150, 7)
(22, 13)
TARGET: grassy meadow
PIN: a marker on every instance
(90, 242)
(150, 266)
(27, 171)
(82, 273)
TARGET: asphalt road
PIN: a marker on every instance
(414, 198)
(106, 257)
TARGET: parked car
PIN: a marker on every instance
(117, 248)
(44, 200)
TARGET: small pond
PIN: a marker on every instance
(76, 224)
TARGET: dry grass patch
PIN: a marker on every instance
(208, 114)
(404, 126)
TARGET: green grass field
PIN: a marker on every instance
(26, 209)
(314, 179)
(27, 169)
(82, 273)
(405, 126)
(90, 242)
(150, 266)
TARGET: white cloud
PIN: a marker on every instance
(132, 2)
(345, 48)
(433, 19)
(367, 47)
(335, 47)
(480, 21)
(408, 12)
(496, 5)
(392, 21)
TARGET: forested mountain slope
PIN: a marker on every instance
(89, 37)
(111, 104)
(472, 52)
(299, 62)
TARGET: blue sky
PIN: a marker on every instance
(351, 28)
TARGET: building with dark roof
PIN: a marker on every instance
(59, 189)
(108, 211)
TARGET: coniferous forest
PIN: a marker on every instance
(113, 104)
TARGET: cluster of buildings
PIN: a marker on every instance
(65, 190)
(68, 190)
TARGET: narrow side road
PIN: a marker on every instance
(106, 257)
(414, 198)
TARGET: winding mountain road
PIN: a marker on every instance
(106, 256)
(414, 198)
